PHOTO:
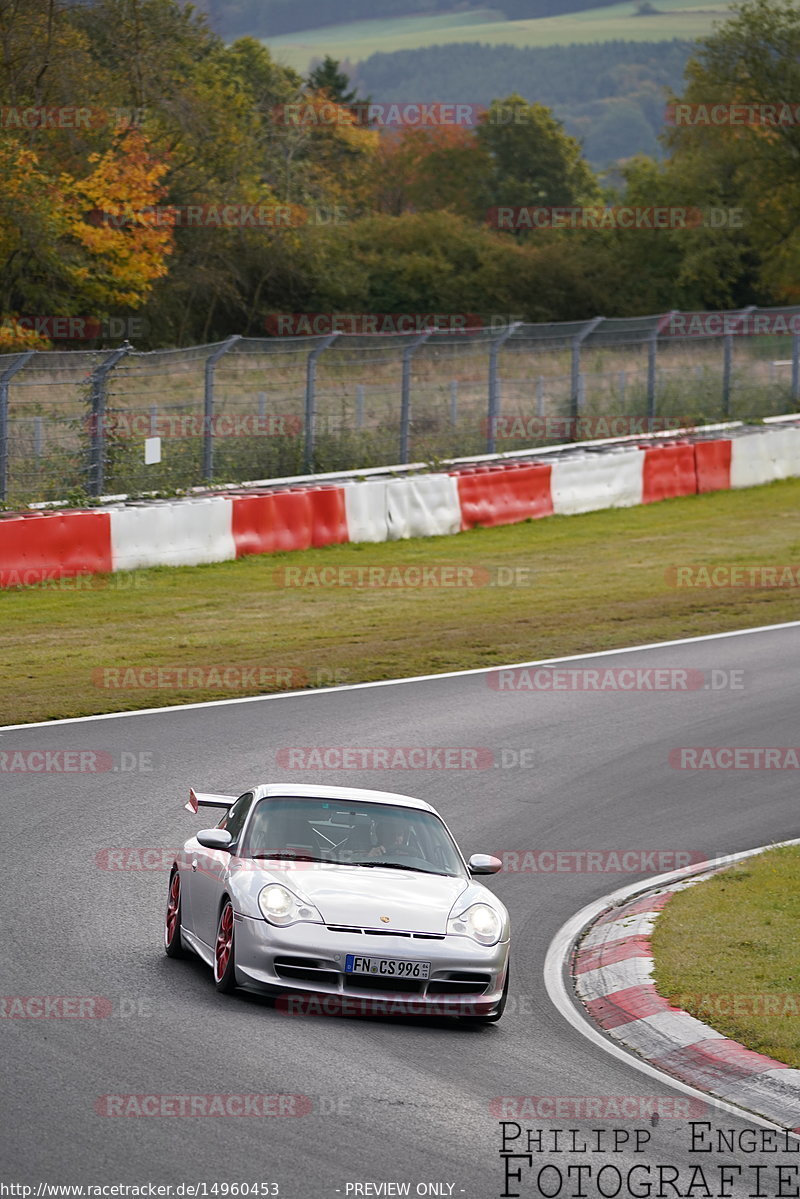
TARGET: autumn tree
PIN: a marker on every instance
(531, 160)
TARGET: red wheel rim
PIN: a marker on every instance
(224, 945)
(173, 907)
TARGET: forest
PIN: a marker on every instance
(609, 95)
(122, 118)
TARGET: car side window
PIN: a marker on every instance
(236, 815)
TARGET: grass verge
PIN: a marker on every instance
(726, 951)
(564, 585)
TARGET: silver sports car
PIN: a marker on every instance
(356, 900)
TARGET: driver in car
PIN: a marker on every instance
(392, 836)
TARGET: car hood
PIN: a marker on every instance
(374, 896)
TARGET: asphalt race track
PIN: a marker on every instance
(392, 1100)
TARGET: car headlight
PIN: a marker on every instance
(480, 922)
(281, 906)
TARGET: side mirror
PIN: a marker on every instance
(215, 838)
(484, 863)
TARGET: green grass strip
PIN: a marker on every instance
(578, 584)
(726, 951)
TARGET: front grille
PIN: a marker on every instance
(460, 983)
(307, 969)
(383, 932)
(377, 982)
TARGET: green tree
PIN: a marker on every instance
(531, 160)
(753, 59)
(326, 77)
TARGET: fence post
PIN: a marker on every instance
(359, 405)
(575, 372)
(97, 447)
(208, 406)
(405, 398)
(727, 357)
(5, 379)
(494, 390)
(652, 362)
(795, 367)
(453, 402)
(540, 395)
(311, 396)
(727, 363)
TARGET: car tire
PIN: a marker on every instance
(173, 945)
(225, 951)
(501, 1007)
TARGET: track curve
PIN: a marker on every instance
(392, 1100)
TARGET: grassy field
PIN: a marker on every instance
(726, 951)
(562, 585)
(356, 41)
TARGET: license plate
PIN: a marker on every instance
(386, 967)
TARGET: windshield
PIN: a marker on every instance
(351, 833)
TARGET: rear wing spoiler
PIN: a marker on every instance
(207, 799)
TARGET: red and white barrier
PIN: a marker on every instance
(589, 482)
(53, 545)
(422, 506)
(504, 494)
(41, 546)
(712, 465)
(366, 510)
(183, 533)
(669, 471)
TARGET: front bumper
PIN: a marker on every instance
(305, 964)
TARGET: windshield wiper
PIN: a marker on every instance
(289, 855)
(399, 866)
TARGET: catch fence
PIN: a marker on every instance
(92, 422)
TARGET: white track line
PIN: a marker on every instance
(556, 974)
(419, 678)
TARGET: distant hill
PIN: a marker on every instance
(273, 18)
(611, 95)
